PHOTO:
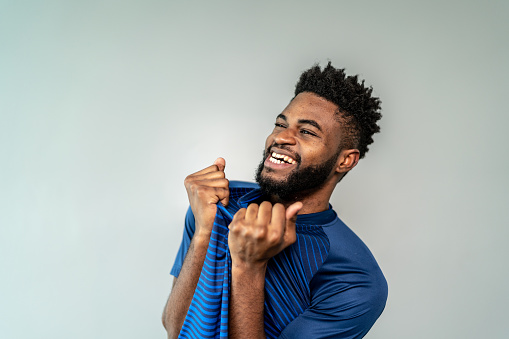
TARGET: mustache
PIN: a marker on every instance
(294, 155)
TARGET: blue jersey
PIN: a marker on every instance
(326, 285)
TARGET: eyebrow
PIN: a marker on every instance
(302, 121)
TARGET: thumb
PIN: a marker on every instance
(220, 163)
(290, 235)
(292, 210)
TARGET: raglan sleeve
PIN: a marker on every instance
(340, 310)
(187, 236)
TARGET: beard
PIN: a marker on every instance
(299, 183)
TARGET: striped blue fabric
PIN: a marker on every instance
(287, 292)
(327, 284)
(208, 313)
(286, 283)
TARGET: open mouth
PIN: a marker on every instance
(277, 158)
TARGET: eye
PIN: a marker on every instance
(305, 131)
(280, 125)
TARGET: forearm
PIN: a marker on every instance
(184, 286)
(247, 298)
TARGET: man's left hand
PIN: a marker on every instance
(261, 231)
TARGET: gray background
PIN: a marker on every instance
(107, 105)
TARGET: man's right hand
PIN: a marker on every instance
(205, 189)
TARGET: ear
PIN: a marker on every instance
(348, 159)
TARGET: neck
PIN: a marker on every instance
(313, 202)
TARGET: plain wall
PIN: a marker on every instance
(106, 106)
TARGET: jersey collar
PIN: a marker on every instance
(319, 218)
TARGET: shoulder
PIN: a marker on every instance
(347, 293)
(346, 244)
(350, 265)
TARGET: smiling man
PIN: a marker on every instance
(273, 259)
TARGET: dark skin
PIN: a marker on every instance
(205, 189)
(309, 128)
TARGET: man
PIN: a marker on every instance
(273, 260)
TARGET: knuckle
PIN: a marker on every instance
(201, 190)
(260, 233)
(224, 183)
(265, 203)
(234, 228)
(238, 229)
(240, 213)
(266, 207)
(274, 237)
(191, 186)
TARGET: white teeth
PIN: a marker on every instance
(280, 158)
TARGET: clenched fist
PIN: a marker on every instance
(261, 231)
(205, 189)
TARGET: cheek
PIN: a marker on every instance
(317, 154)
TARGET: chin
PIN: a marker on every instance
(268, 174)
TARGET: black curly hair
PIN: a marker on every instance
(358, 111)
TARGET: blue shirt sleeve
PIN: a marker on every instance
(184, 245)
(348, 293)
(346, 314)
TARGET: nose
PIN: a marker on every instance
(285, 137)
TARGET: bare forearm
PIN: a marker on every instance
(184, 286)
(247, 302)
(257, 234)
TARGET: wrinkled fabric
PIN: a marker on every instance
(325, 285)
